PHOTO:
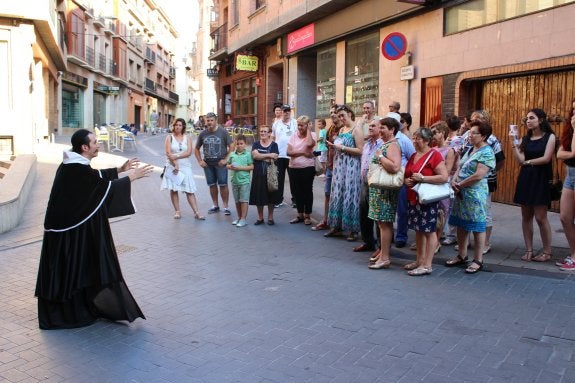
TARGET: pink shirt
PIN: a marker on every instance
(298, 145)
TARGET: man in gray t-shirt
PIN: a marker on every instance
(217, 145)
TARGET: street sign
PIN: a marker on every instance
(394, 46)
(407, 72)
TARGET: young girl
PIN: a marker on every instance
(321, 145)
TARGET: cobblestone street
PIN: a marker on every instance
(278, 304)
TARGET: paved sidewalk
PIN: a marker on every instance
(284, 304)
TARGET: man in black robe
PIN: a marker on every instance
(79, 278)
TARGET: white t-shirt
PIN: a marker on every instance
(282, 132)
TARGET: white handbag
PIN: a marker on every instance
(430, 193)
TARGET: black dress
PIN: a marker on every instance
(532, 187)
(79, 277)
(259, 194)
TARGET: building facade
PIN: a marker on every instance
(33, 59)
(446, 58)
(120, 64)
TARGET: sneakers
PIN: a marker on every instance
(564, 261)
(235, 221)
(568, 264)
(281, 204)
(227, 211)
(213, 209)
(449, 241)
(241, 223)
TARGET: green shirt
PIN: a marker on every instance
(240, 177)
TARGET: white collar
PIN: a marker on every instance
(71, 157)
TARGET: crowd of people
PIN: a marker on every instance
(463, 153)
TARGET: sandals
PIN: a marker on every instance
(306, 220)
(333, 233)
(474, 267)
(296, 220)
(421, 270)
(527, 256)
(380, 265)
(199, 217)
(177, 215)
(457, 260)
(543, 257)
(352, 237)
(411, 266)
(320, 226)
(374, 257)
(258, 222)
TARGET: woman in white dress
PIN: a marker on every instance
(178, 176)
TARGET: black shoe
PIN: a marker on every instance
(400, 244)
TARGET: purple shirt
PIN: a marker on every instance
(369, 147)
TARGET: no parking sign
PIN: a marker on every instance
(394, 46)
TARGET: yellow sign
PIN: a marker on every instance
(249, 63)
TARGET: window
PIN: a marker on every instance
(246, 100)
(325, 81)
(76, 35)
(476, 13)
(235, 12)
(362, 71)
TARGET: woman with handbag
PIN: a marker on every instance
(264, 153)
(535, 156)
(383, 201)
(567, 205)
(426, 165)
(302, 169)
(469, 211)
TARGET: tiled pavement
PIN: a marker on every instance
(284, 304)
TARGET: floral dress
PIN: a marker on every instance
(470, 206)
(382, 202)
(345, 187)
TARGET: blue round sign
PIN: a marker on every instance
(394, 46)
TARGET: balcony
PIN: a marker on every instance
(99, 22)
(150, 85)
(150, 55)
(90, 56)
(102, 63)
(112, 69)
(220, 43)
(174, 97)
(110, 28)
(172, 72)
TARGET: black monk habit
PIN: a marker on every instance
(79, 278)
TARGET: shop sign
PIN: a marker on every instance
(394, 46)
(249, 63)
(301, 38)
(212, 72)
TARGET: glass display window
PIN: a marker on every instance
(326, 63)
(362, 71)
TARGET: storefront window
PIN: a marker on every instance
(245, 102)
(71, 111)
(476, 13)
(362, 71)
(325, 81)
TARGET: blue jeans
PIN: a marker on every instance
(401, 232)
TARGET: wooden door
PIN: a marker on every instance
(432, 92)
(509, 99)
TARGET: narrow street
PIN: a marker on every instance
(277, 304)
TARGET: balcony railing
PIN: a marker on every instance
(172, 72)
(90, 57)
(173, 96)
(220, 37)
(150, 85)
(150, 55)
(102, 62)
(112, 69)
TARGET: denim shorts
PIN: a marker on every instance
(216, 175)
(241, 192)
(570, 178)
(328, 176)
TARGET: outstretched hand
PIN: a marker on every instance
(141, 171)
(130, 164)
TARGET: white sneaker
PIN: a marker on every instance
(235, 221)
(241, 223)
